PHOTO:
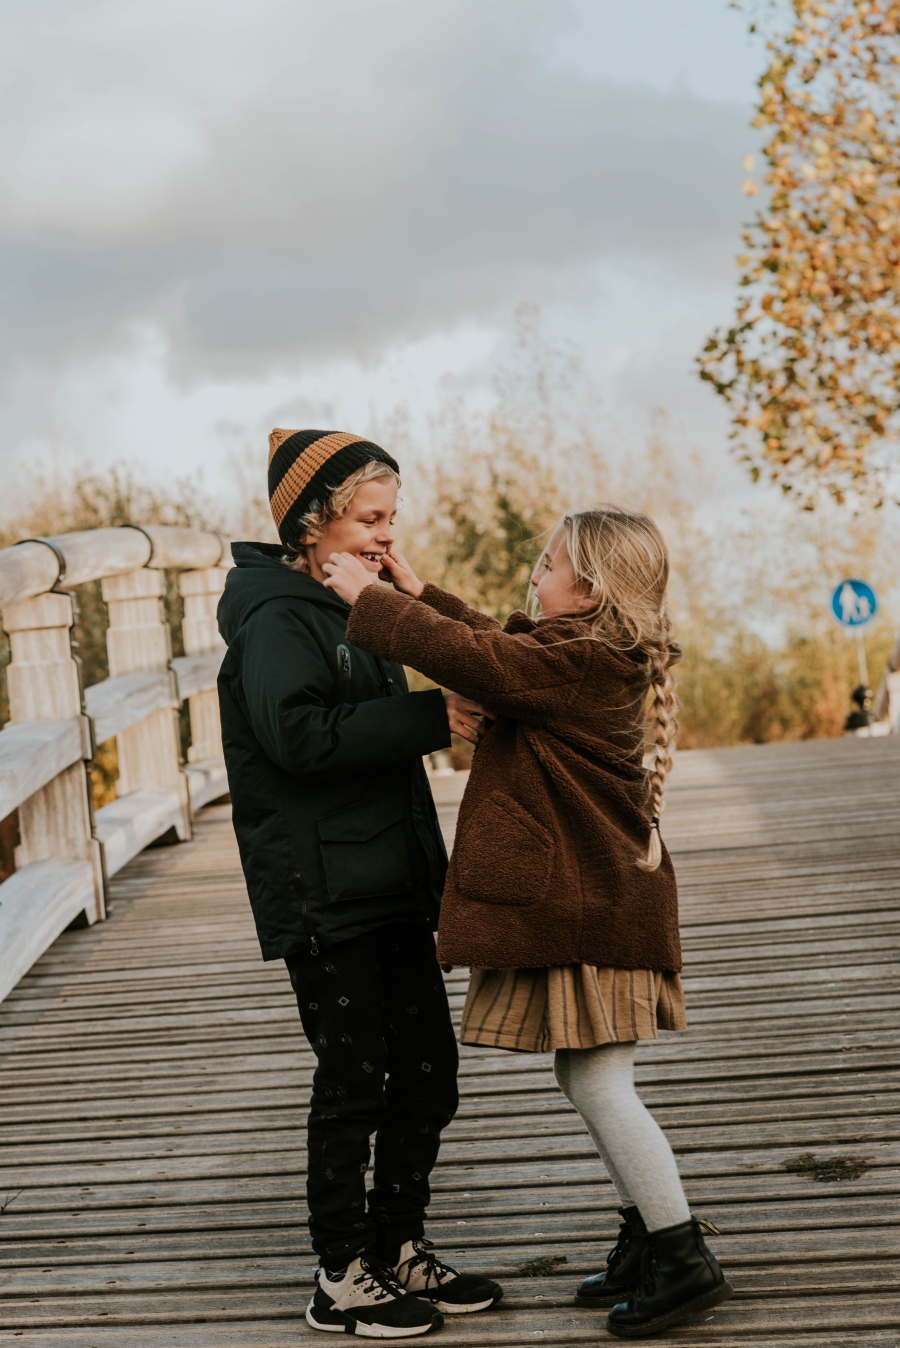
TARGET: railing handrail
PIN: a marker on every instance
(66, 851)
(37, 565)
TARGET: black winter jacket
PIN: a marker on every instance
(334, 818)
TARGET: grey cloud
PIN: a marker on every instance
(426, 171)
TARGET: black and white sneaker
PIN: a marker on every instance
(370, 1302)
(421, 1272)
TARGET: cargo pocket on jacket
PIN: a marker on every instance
(364, 851)
(504, 856)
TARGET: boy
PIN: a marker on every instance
(344, 865)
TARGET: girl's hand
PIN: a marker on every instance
(401, 575)
(347, 576)
(463, 715)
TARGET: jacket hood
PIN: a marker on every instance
(259, 575)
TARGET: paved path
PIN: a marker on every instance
(153, 1082)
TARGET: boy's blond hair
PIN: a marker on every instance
(333, 508)
(621, 555)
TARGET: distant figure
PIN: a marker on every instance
(560, 894)
(855, 608)
(862, 716)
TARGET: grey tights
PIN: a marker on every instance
(599, 1082)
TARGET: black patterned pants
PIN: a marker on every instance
(375, 1012)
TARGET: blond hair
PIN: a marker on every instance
(621, 555)
(334, 507)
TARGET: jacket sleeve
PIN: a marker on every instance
(285, 698)
(452, 607)
(512, 674)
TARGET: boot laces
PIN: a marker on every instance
(621, 1248)
(649, 1272)
(377, 1279)
(434, 1269)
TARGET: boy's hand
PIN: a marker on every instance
(347, 576)
(398, 571)
(463, 713)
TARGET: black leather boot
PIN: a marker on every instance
(623, 1265)
(679, 1276)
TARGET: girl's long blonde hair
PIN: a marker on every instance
(622, 556)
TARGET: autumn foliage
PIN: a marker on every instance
(763, 658)
(811, 365)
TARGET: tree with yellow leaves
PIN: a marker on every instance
(811, 367)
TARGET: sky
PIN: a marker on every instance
(220, 217)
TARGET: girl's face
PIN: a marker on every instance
(366, 530)
(554, 580)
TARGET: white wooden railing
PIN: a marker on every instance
(67, 853)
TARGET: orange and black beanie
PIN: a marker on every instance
(305, 467)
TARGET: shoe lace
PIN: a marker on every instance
(435, 1270)
(649, 1272)
(377, 1279)
(621, 1248)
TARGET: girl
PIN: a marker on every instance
(560, 894)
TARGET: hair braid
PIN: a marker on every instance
(620, 556)
(664, 717)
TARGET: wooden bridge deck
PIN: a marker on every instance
(154, 1079)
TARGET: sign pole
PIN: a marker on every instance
(854, 604)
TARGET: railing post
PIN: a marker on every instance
(201, 591)
(138, 640)
(43, 683)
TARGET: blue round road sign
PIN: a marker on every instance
(853, 603)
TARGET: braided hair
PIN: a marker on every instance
(621, 556)
(663, 716)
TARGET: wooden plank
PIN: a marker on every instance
(207, 781)
(103, 1235)
(117, 703)
(27, 569)
(153, 1076)
(513, 1324)
(127, 825)
(844, 1099)
(137, 641)
(32, 753)
(746, 1243)
(37, 903)
(197, 673)
(54, 821)
(176, 548)
(89, 554)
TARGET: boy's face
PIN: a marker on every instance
(366, 530)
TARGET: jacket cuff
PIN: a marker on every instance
(432, 709)
(374, 618)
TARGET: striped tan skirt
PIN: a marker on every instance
(575, 1006)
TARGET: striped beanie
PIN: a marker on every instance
(306, 466)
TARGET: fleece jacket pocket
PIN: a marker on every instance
(503, 855)
(364, 851)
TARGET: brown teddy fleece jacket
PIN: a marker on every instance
(557, 808)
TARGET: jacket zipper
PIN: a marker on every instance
(387, 683)
(300, 882)
(344, 675)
